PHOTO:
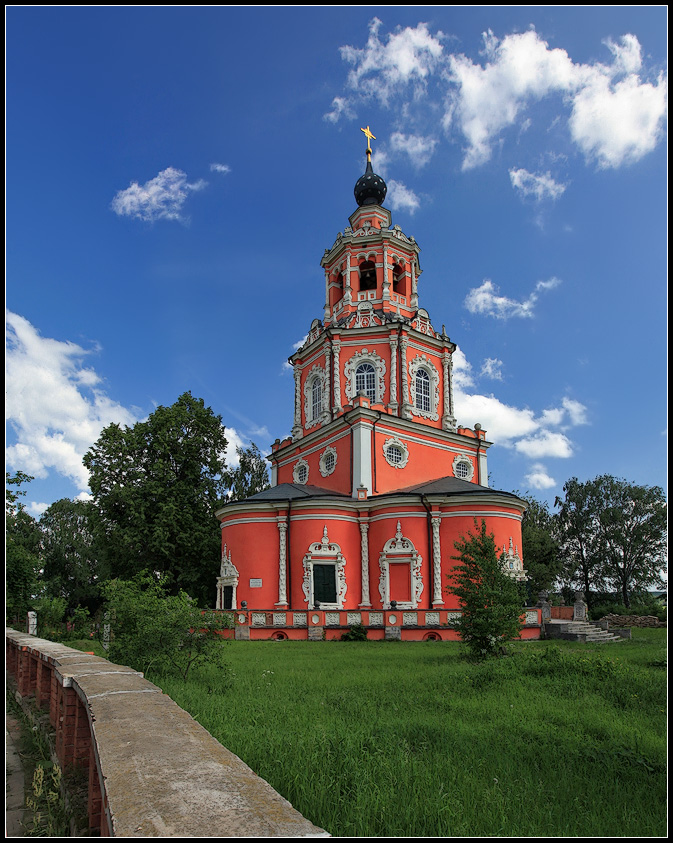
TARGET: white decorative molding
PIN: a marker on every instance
(512, 562)
(336, 348)
(228, 577)
(353, 618)
(400, 551)
(331, 619)
(436, 562)
(298, 471)
(419, 362)
(316, 373)
(325, 552)
(326, 462)
(531, 617)
(409, 618)
(467, 473)
(448, 419)
(376, 619)
(432, 618)
(282, 560)
(364, 562)
(279, 619)
(379, 365)
(393, 374)
(392, 448)
(297, 429)
(259, 619)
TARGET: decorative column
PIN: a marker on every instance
(406, 406)
(326, 295)
(364, 563)
(282, 562)
(393, 406)
(336, 348)
(326, 414)
(448, 420)
(436, 562)
(297, 430)
(414, 287)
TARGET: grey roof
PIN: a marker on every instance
(444, 486)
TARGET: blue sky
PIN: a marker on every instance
(174, 176)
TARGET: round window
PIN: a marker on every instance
(395, 454)
(463, 470)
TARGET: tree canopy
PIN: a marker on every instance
(22, 544)
(250, 477)
(613, 534)
(540, 547)
(157, 486)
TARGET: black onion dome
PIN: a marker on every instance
(370, 189)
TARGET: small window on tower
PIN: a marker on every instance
(365, 380)
(367, 276)
(399, 285)
(316, 399)
(423, 391)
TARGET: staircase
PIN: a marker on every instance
(583, 631)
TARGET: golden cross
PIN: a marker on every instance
(369, 137)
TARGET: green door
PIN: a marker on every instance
(324, 583)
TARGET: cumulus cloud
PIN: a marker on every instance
(419, 149)
(538, 186)
(616, 113)
(539, 478)
(487, 301)
(492, 368)
(160, 198)
(384, 68)
(220, 168)
(401, 198)
(55, 404)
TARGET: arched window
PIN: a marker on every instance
(367, 276)
(399, 285)
(423, 401)
(316, 399)
(365, 380)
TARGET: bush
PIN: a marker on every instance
(153, 630)
(50, 614)
(642, 604)
(357, 632)
(491, 601)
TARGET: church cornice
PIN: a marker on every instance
(368, 235)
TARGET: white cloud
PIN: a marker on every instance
(55, 405)
(220, 168)
(617, 124)
(383, 69)
(492, 368)
(341, 106)
(159, 198)
(576, 411)
(486, 300)
(545, 443)
(615, 114)
(401, 198)
(538, 478)
(418, 148)
(539, 186)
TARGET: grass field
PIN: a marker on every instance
(410, 739)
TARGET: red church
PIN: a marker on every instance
(377, 480)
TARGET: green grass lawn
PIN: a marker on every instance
(410, 739)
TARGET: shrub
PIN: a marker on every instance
(357, 632)
(153, 630)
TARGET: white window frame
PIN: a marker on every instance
(351, 366)
(421, 362)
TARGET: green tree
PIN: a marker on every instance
(491, 601)
(157, 486)
(22, 545)
(250, 477)
(72, 560)
(577, 530)
(155, 630)
(631, 528)
(541, 550)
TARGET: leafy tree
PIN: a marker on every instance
(250, 477)
(22, 543)
(154, 630)
(631, 527)
(541, 549)
(157, 486)
(613, 533)
(491, 601)
(71, 557)
(577, 525)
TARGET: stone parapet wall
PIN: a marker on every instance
(632, 620)
(153, 770)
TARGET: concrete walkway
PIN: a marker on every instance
(14, 779)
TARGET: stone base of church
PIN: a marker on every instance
(394, 624)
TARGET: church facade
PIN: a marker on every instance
(378, 479)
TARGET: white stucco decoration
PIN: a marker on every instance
(396, 452)
(324, 552)
(350, 368)
(463, 468)
(421, 361)
(400, 551)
